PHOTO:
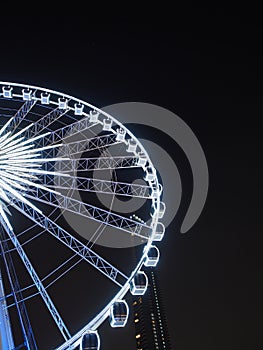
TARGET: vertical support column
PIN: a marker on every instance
(6, 337)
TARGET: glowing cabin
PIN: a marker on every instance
(142, 160)
(119, 313)
(107, 124)
(159, 232)
(156, 190)
(7, 91)
(93, 115)
(161, 210)
(78, 108)
(149, 174)
(62, 103)
(152, 256)
(120, 135)
(27, 94)
(139, 283)
(90, 341)
(45, 98)
(132, 145)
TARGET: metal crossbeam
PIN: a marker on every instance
(101, 163)
(91, 212)
(96, 163)
(6, 334)
(94, 143)
(17, 294)
(42, 291)
(64, 132)
(20, 115)
(96, 185)
(44, 122)
(78, 147)
(71, 242)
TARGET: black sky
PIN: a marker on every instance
(205, 65)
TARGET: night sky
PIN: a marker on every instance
(205, 65)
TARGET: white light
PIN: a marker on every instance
(27, 94)
(45, 98)
(7, 91)
(78, 109)
(3, 215)
(20, 164)
(6, 125)
(2, 138)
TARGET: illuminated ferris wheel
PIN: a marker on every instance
(66, 169)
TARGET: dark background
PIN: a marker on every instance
(205, 65)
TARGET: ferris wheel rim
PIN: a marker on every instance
(98, 320)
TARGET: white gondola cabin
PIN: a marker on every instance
(62, 103)
(107, 124)
(152, 256)
(120, 134)
(159, 232)
(156, 191)
(7, 91)
(149, 174)
(161, 210)
(119, 313)
(142, 161)
(45, 98)
(78, 108)
(93, 115)
(27, 94)
(139, 283)
(132, 145)
(90, 341)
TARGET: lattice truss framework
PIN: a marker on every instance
(40, 157)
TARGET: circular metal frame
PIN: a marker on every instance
(81, 109)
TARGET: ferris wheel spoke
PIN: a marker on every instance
(71, 242)
(17, 293)
(89, 211)
(96, 163)
(65, 132)
(20, 115)
(78, 183)
(78, 147)
(42, 291)
(98, 142)
(102, 163)
(45, 121)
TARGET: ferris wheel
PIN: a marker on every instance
(77, 191)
